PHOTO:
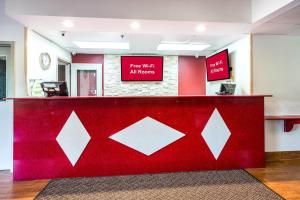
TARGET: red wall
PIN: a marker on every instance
(191, 75)
(88, 58)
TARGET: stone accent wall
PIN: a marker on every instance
(113, 86)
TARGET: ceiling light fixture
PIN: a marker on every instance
(200, 28)
(182, 47)
(68, 23)
(102, 45)
(135, 25)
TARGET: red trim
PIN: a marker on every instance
(103, 78)
(289, 124)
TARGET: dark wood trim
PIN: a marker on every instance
(282, 155)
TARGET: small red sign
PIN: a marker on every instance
(142, 68)
(217, 66)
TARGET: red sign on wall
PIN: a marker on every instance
(142, 68)
(217, 66)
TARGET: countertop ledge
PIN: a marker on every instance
(139, 97)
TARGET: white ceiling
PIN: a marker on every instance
(143, 41)
(152, 32)
(172, 10)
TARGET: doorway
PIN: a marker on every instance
(86, 80)
(64, 72)
(6, 70)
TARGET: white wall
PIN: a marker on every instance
(12, 31)
(276, 71)
(36, 44)
(113, 86)
(6, 135)
(240, 61)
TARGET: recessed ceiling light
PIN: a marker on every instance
(182, 47)
(68, 23)
(102, 45)
(135, 25)
(200, 28)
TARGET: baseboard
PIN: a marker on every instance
(282, 155)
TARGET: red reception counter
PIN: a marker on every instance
(102, 136)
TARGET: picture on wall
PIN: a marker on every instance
(142, 68)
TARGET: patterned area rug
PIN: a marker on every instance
(231, 184)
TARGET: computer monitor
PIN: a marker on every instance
(227, 89)
(55, 88)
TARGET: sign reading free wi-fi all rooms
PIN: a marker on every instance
(217, 66)
(142, 68)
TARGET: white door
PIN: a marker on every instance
(86, 80)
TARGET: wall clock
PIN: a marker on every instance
(45, 61)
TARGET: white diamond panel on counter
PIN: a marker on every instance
(73, 138)
(216, 133)
(147, 136)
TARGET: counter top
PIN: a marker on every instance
(114, 97)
